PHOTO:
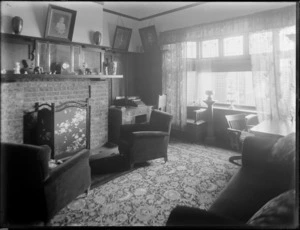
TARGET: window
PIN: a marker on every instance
(261, 42)
(191, 49)
(233, 46)
(228, 87)
(210, 48)
(286, 43)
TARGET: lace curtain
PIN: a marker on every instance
(174, 73)
(273, 71)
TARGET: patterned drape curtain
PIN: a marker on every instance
(277, 18)
(174, 73)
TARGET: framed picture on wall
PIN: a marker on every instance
(60, 23)
(149, 38)
(122, 38)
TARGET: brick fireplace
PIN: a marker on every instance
(21, 95)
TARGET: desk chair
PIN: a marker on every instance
(239, 124)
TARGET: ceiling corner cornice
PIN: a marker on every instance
(154, 15)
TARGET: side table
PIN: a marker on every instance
(196, 131)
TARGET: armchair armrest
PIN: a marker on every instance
(256, 150)
(129, 128)
(199, 114)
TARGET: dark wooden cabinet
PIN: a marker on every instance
(142, 75)
(128, 68)
(149, 77)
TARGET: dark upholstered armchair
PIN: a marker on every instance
(32, 191)
(147, 141)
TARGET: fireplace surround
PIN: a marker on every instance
(21, 95)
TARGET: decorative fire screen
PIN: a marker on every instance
(65, 128)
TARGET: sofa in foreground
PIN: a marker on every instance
(262, 193)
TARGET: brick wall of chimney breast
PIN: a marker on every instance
(17, 97)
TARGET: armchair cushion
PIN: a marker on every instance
(149, 134)
(283, 150)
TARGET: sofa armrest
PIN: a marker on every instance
(189, 216)
(66, 182)
(68, 165)
(256, 151)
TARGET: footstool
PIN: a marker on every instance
(110, 164)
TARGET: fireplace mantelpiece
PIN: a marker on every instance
(32, 77)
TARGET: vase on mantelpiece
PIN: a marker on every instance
(97, 37)
(17, 24)
(112, 67)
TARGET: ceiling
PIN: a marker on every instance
(144, 10)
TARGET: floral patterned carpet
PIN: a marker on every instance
(193, 176)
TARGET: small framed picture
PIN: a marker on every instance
(60, 23)
(149, 38)
(122, 38)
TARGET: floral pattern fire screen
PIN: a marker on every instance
(65, 127)
(70, 131)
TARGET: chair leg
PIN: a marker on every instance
(87, 191)
(47, 223)
(131, 165)
(166, 159)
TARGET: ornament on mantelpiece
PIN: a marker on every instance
(17, 68)
(105, 66)
(17, 24)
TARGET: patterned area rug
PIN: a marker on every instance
(193, 176)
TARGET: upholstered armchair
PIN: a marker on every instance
(147, 141)
(33, 192)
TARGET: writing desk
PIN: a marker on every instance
(273, 128)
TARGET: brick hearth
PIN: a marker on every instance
(19, 97)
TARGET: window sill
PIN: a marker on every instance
(239, 108)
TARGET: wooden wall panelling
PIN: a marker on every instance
(149, 77)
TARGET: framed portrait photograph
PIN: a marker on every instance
(60, 23)
(122, 38)
(149, 38)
